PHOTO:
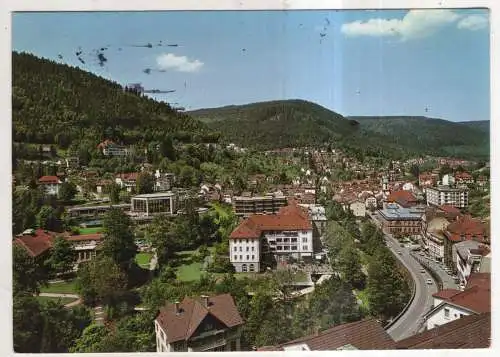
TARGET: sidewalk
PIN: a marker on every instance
(71, 304)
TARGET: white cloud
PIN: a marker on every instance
(169, 61)
(415, 24)
(473, 22)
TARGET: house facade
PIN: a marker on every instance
(109, 148)
(151, 204)
(50, 184)
(358, 208)
(470, 257)
(401, 221)
(127, 180)
(205, 324)
(464, 228)
(446, 195)
(288, 234)
(451, 304)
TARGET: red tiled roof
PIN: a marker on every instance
(290, 217)
(449, 209)
(128, 176)
(446, 293)
(363, 335)
(36, 244)
(467, 227)
(181, 326)
(404, 198)
(84, 237)
(474, 298)
(473, 331)
(105, 143)
(49, 180)
(483, 280)
(463, 175)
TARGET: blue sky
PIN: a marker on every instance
(427, 62)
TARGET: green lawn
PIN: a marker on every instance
(66, 287)
(63, 300)
(189, 272)
(143, 258)
(300, 277)
(91, 230)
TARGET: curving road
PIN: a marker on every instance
(412, 320)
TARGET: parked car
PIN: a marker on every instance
(422, 271)
(429, 281)
(399, 252)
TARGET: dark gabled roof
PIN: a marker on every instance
(363, 335)
(472, 331)
(181, 326)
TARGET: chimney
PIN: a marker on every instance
(177, 310)
(205, 300)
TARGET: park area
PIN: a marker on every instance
(61, 287)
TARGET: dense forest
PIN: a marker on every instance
(295, 122)
(430, 136)
(277, 123)
(57, 104)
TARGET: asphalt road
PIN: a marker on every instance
(412, 320)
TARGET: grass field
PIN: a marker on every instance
(63, 300)
(91, 230)
(66, 287)
(143, 258)
(189, 272)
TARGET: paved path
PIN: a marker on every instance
(77, 301)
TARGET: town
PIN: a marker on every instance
(297, 239)
(207, 195)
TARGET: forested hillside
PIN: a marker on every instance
(56, 104)
(277, 123)
(429, 135)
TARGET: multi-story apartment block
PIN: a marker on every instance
(246, 206)
(286, 234)
(445, 195)
(209, 324)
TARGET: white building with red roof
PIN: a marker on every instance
(51, 184)
(205, 324)
(289, 233)
(451, 304)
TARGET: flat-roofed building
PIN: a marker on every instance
(246, 206)
(153, 203)
(446, 195)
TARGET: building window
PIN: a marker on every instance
(241, 249)
(235, 249)
(252, 267)
(241, 257)
(279, 240)
(253, 248)
(248, 257)
(304, 239)
(253, 257)
(304, 247)
(248, 248)
(294, 240)
(279, 247)
(235, 257)
(244, 268)
(461, 315)
(246, 240)
(446, 312)
(294, 247)
(286, 247)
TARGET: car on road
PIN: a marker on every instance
(399, 252)
(429, 281)
(422, 271)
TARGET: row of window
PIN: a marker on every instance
(290, 247)
(241, 257)
(244, 268)
(246, 240)
(241, 249)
